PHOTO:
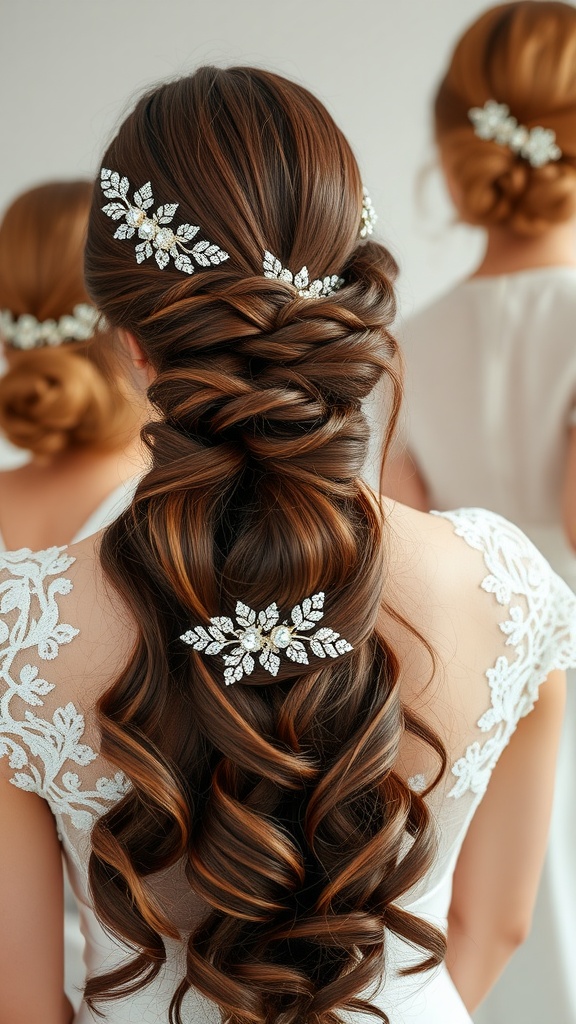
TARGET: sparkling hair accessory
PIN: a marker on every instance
(262, 632)
(494, 122)
(318, 289)
(156, 237)
(26, 332)
(368, 216)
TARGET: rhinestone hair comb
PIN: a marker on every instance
(157, 238)
(26, 332)
(494, 123)
(261, 633)
(318, 289)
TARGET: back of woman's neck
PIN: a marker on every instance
(507, 252)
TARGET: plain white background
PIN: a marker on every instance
(69, 69)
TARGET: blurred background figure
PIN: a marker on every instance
(491, 376)
(66, 399)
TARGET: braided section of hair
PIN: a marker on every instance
(281, 800)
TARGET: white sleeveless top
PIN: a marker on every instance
(519, 621)
(491, 396)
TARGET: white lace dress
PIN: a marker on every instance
(106, 512)
(511, 619)
(490, 400)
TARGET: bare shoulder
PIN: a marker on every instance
(61, 597)
(443, 576)
(427, 558)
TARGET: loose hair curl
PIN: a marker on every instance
(55, 399)
(522, 54)
(281, 798)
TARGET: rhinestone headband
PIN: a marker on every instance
(261, 633)
(157, 238)
(494, 122)
(26, 332)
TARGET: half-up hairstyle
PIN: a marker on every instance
(524, 55)
(53, 399)
(281, 797)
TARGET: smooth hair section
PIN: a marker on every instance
(281, 798)
(522, 54)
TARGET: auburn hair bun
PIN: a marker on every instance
(500, 57)
(52, 399)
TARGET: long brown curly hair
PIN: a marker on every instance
(281, 797)
(522, 54)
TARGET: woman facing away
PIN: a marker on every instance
(287, 733)
(65, 399)
(66, 396)
(491, 375)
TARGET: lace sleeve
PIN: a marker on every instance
(40, 738)
(538, 628)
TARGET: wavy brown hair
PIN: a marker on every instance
(282, 798)
(522, 54)
(55, 399)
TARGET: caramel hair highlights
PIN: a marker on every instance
(280, 797)
(522, 54)
(53, 399)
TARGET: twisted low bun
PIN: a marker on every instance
(522, 54)
(51, 400)
(65, 395)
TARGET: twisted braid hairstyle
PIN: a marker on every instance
(281, 798)
(522, 54)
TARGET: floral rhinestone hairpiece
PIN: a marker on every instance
(26, 332)
(156, 237)
(368, 216)
(321, 287)
(262, 632)
(494, 122)
(318, 289)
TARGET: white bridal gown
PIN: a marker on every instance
(105, 513)
(490, 401)
(500, 621)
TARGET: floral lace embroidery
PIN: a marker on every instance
(38, 749)
(540, 629)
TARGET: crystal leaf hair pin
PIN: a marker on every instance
(368, 216)
(318, 289)
(493, 122)
(261, 633)
(156, 237)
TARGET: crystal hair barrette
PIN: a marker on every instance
(262, 633)
(318, 289)
(26, 332)
(157, 238)
(493, 122)
(368, 216)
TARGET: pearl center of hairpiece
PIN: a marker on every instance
(165, 238)
(147, 229)
(281, 636)
(134, 217)
(251, 640)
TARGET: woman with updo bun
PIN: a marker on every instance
(491, 375)
(299, 771)
(67, 397)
